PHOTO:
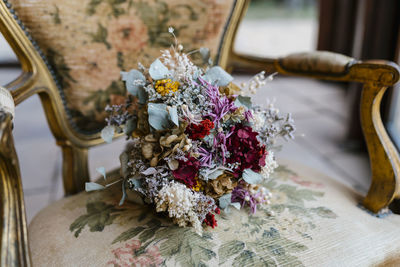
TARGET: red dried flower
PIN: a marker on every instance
(210, 220)
(245, 149)
(199, 131)
(187, 171)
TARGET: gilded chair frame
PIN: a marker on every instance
(36, 78)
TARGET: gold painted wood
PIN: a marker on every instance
(376, 77)
(14, 250)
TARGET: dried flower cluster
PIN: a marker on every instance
(197, 144)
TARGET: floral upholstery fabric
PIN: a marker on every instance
(88, 42)
(316, 222)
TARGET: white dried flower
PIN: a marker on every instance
(270, 164)
(180, 203)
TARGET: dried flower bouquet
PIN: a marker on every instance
(197, 145)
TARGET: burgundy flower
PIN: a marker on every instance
(187, 171)
(210, 218)
(245, 149)
(199, 131)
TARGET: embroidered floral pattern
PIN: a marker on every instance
(239, 240)
(88, 42)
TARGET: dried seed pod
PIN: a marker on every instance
(173, 164)
(147, 150)
(150, 138)
(171, 139)
(154, 161)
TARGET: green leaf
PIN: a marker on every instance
(134, 81)
(324, 212)
(108, 133)
(229, 249)
(131, 233)
(246, 258)
(158, 71)
(185, 246)
(251, 177)
(102, 171)
(130, 126)
(158, 116)
(225, 200)
(205, 54)
(93, 187)
(218, 76)
(173, 115)
(100, 36)
(98, 215)
(147, 234)
(244, 101)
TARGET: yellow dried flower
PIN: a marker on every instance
(198, 187)
(166, 86)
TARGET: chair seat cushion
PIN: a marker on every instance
(316, 221)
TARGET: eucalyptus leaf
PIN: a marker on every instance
(93, 187)
(213, 174)
(251, 177)
(173, 115)
(236, 205)
(158, 116)
(137, 183)
(102, 171)
(205, 54)
(244, 101)
(108, 133)
(158, 71)
(218, 76)
(130, 126)
(142, 96)
(225, 201)
(134, 81)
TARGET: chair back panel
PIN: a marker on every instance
(88, 43)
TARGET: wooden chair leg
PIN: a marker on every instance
(14, 250)
(75, 168)
(384, 158)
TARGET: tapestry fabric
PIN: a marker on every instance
(88, 42)
(311, 221)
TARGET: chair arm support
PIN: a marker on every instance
(14, 250)
(331, 66)
(376, 77)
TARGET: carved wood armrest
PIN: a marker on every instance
(376, 77)
(14, 250)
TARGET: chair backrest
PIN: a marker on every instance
(72, 53)
(88, 42)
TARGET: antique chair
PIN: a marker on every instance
(71, 54)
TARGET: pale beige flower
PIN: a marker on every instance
(127, 34)
(93, 67)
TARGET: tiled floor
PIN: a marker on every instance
(318, 109)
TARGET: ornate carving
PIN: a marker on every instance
(14, 249)
(376, 77)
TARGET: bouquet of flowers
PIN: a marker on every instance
(197, 144)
